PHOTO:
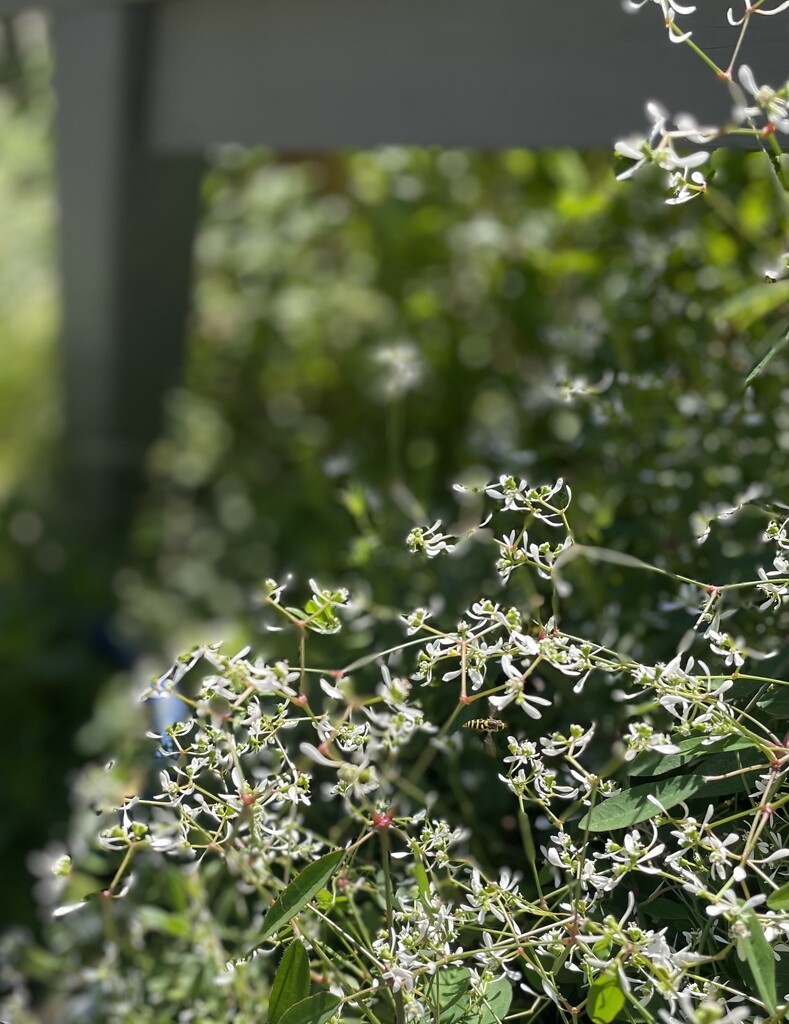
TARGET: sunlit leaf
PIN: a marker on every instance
(759, 955)
(606, 998)
(779, 900)
(779, 345)
(291, 982)
(315, 1010)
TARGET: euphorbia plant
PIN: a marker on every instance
(311, 847)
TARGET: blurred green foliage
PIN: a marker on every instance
(369, 328)
(28, 313)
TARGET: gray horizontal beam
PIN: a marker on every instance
(486, 73)
(8, 7)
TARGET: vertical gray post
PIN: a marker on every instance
(127, 224)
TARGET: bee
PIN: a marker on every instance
(488, 726)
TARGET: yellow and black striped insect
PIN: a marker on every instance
(488, 726)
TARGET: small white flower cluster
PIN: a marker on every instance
(429, 540)
(517, 496)
(775, 581)
(685, 179)
(752, 8)
(763, 109)
(268, 745)
(767, 103)
(670, 9)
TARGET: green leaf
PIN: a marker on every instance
(633, 806)
(497, 1002)
(291, 982)
(729, 761)
(527, 838)
(779, 900)
(606, 998)
(776, 702)
(662, 909)
(422, 881)
(325, 900)
(752, 304)
(298, 894)
(315, 1010)
(158, 920)
(448, 992)
(766, 360)
(653, 763)
(759, 954)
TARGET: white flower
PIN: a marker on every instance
(775, 592)
(721, 643)
(514, 691)
(767, 100)
(393, 692)
(670, 9)
(750, 9)
(509, 491)
(575, 743)
(666, 5)
(685, 180)
(429, 540)
(517, 496)
(331, 690)
(686, 186)
(400, 368)
(709, 1009)
(312, 752)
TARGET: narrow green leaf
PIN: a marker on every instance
(779, 900)
(527, 838)
(782, 973)
(606, 998)
(291, 982)
(595, 554)
(497, 1002)
(759, 954)
(772, 353)
(315, 1010)
(299, 893)
(422, 881)
(633, 806)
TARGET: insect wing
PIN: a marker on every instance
(488, 726)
